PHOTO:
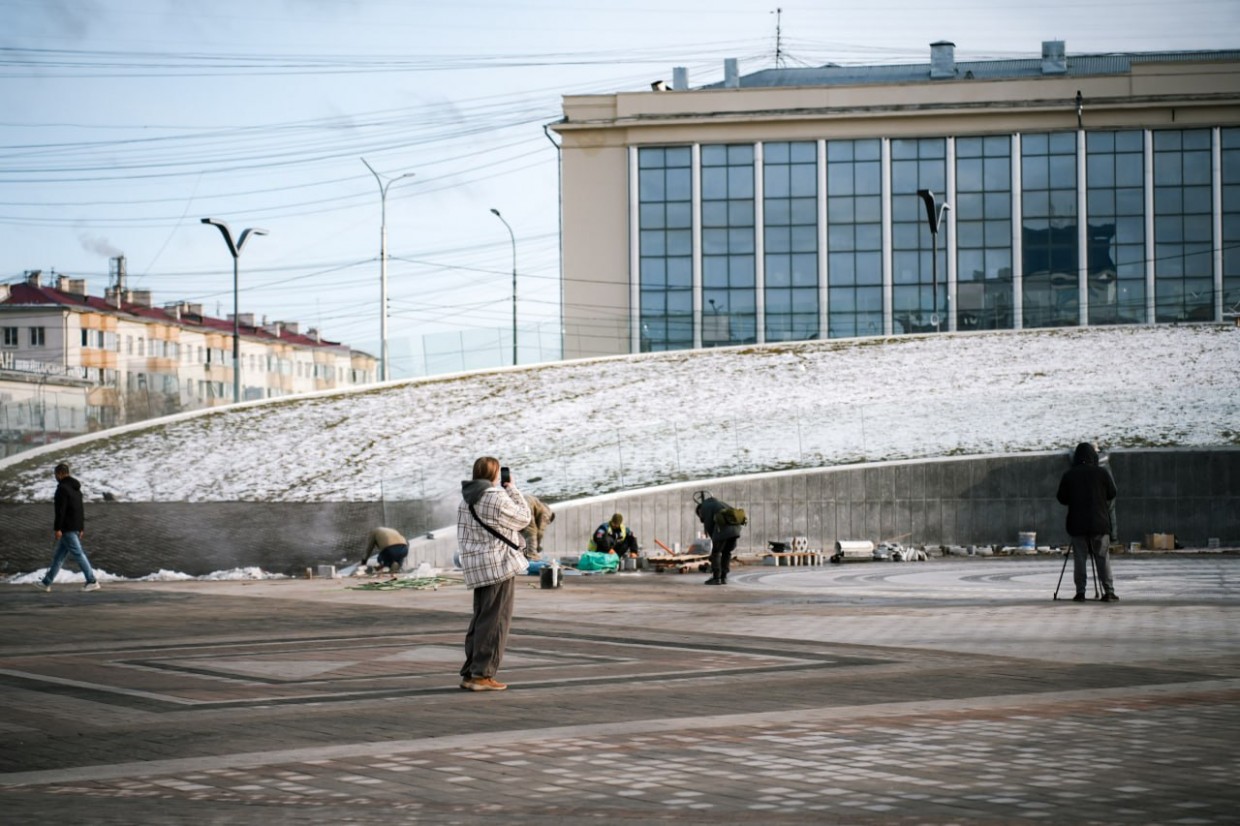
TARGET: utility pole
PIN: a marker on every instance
(383, 300)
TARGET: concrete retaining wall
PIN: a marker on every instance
(1194, 494)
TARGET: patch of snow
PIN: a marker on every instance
(588, 427)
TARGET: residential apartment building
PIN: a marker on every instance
(117, 358)
(784, 205)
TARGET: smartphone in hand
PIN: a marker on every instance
(504, 476)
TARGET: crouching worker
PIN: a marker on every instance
(722, 523)
(393, 549)
(613, 536)
(540, 517)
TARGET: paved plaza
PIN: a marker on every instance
(950, 691)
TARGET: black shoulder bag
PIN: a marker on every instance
(494, 532)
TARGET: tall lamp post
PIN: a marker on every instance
(235, 249)
(495, 212)
(383, 312)
(934, 217)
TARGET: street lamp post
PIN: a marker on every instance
(383, 312)
(495, 212)
(934, 217)
(235, 249)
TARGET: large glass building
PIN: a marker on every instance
(836, 202)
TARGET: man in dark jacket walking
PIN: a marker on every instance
(723, 537)
(69, 527)
(1087, 490)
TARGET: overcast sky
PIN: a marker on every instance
(124, 122)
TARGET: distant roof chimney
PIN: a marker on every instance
(942, 60)
(680, 78)
(731, 74)
(34, 278)
(1054, 57)
(142, 298)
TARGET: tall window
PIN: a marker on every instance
(916, 164)
(984, 233)
(729, 294)
(854, 239)
(1115, 175)
(1183, 269)
(665, 248)
(37, 337)
(790, 210)
(10, 336)
(1231, 221)
(1048, 229)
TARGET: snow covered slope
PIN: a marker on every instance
(587, 427)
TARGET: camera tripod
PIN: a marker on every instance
(1093, 561)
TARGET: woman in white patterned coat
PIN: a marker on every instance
(488, 528)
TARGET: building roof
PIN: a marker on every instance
(26, 294)
(1082, 65)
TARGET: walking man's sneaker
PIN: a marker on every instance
(90, 586)
(1110, 597)
(486, 684)
(713, 581)
(465, 683)
(1079, 598)
(41, 586)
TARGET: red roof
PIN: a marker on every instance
(24, 294)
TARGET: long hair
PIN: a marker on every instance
(486, 467)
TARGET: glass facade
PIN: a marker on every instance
(1115, 180)
(1132, 275)
(790, 238)
(1049, 230)
(729, 253)
(984, 233)
(1230, 141)
(916, 164)
(854, 238)
(1183, 206)
(665, 248)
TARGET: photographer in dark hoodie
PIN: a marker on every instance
(69, 527)
(1087, 490)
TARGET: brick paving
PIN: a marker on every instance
(946, 692)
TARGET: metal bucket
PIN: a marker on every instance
(628, 563)
(549, 577)
(1028, 540)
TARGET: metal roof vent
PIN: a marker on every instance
(942, 60)
(1054, 57)
(680, 78)
(731, 74)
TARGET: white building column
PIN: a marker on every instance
(885, 172)
(1018, 238)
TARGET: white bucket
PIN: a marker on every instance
(1028, 540)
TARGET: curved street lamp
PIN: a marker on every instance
(235, 249)
(495, 212)
(934, 217)
(383, 313)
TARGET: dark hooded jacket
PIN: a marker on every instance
(70, 515)
(706, 512)
(1087, 490)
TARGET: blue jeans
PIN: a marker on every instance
(69, 544)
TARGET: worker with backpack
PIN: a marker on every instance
(722, 523)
